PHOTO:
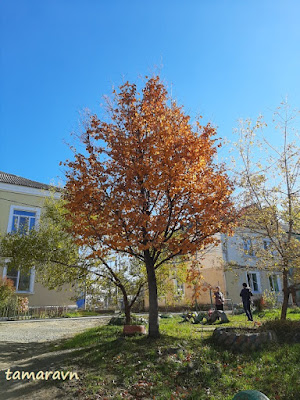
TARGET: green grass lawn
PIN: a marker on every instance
(81, 313)
(182, 364)
(265, 315)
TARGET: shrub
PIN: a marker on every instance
(259, 303)
(295, 310)
(270, 298)
(120, 320)
(7, 291)
(287, 331)
(22, 304)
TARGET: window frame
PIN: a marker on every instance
(179, 288)
(266, 246)
(248, 247)
(271, 278)
(13, 208)
(37, 212)
(31, 280)
(257, 281)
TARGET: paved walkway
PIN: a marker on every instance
(25, 346)
(46, 329)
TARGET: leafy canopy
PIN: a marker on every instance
(147, 181)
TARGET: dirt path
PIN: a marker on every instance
(25, 347)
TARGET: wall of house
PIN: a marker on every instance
(45, 297)
(13, 195)
(233, 249)
(236, 277)
(9, 198)
(212, 270)
(238, 264)
(42, 296)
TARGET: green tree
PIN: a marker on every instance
(270, 194)
(58, 260)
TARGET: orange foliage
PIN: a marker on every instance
(147, 181)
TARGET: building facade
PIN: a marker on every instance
(228, 265)
(21, 205)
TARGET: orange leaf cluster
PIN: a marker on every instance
(147, 180)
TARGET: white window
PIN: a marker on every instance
(21, 220)
(248, 248)
(22, 280)
(274, 282)
(179, 288)
(267, 245)
(253, 280)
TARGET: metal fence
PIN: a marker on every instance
(13, 313)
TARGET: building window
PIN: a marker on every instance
(253, 281)
(267, 246)
(21, 280)
(179, 288)
(274, 283)
(21, 220)
(248, 248)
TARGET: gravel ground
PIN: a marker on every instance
(47, 330)
(26, 346)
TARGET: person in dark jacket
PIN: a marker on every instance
(246, 298)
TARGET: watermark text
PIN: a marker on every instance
(40, 375)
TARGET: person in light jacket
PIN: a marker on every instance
(219, 299)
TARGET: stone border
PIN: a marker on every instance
(242, 339)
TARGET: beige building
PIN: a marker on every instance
(213, 274)
(227, 265)
(242, 265)
(21, 204)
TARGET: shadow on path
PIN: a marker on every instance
(33, 357)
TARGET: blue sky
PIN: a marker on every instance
(223, 59)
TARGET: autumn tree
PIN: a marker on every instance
(147, 183)
(270, 186)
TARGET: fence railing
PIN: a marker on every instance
(11, 313)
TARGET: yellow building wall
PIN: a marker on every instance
(41, 296)
(9, 198)
(212, 271)
(45, 297)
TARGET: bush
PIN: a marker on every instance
(295, 310)
(22, 304)
(120, 320)
(7, 291)
(259, 304)
(287, 331)
(270, 298)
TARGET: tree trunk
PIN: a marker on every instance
(153, 303)
(127, 310)
(286, 294)
(127, 306)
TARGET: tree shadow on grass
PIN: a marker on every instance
(114, 363)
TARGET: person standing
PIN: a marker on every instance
(219, 299)
(246, 298)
